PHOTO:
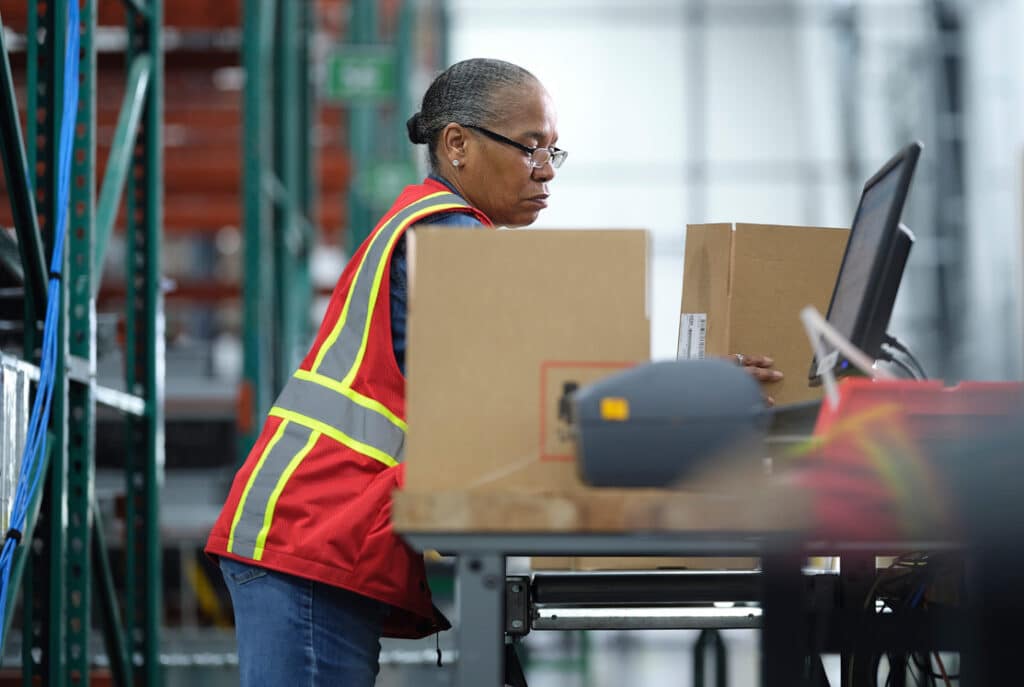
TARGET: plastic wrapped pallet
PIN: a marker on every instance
(14, 409)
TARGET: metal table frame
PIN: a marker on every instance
(480, 578)
(481, 574)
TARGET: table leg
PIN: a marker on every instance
(784, 632)
(479, 598)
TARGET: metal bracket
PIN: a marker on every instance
(517, 605)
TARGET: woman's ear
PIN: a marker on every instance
(453, 142)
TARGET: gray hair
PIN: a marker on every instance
(465, 93)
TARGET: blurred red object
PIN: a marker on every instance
(931, 409)
(869, 468)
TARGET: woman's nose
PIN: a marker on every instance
(545, 172)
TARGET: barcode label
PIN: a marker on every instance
(693, 331)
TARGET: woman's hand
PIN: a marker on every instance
(760, 368)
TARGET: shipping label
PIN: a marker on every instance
(693, 334)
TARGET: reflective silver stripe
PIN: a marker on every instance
(333, 409)
(257, 498)
(329, 408)
(340, 358)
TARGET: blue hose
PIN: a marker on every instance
(35, 445)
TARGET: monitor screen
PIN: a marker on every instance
(872, 267)
(862, 251)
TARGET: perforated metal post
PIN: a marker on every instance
(19, 192)
(362, 129)
(144, 357)
(81, 313)
(291, 237)
(257, 373)
(45, 627)
(278, 190)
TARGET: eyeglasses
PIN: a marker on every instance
(538, 156)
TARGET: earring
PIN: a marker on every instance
(455, 163)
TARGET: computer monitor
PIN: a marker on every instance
(872, 266)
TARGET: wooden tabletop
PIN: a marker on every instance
(754, 508)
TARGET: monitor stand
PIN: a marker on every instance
(793, 419)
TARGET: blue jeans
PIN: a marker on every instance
(300, 633)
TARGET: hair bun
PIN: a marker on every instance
(414, 127)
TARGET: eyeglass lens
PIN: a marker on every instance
(541, 156)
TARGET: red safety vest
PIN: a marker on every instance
(313, 498)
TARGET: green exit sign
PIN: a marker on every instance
(381, 183)
(361, 74)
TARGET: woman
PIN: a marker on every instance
(315, 572)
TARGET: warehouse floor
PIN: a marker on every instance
(609, 659)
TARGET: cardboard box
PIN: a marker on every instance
(743, 288)
(501, 326)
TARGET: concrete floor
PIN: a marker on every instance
(553, 659)
(606, 659)
(603, 659)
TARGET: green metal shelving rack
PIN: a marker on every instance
(279, 185)
(68, 561)
(278, 192)
(63, 557)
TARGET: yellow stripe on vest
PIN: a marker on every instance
(336, 331)
(252, 479)
(335, 372)
(379, 277)
(268, 515)
(334, 433)
(353, 395)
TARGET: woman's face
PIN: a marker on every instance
(496, 177)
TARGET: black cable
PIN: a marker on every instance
(903, 366)
(917, 366)
(886, 355)
(923, 662)
(899, 346)
(896, 592)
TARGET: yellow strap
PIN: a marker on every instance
(353, 395)
(379, 277)
(268, 514)
(336, 331)
(343, 387)
(252, 479)
(334, 433)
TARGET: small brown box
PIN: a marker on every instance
(743, 288)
